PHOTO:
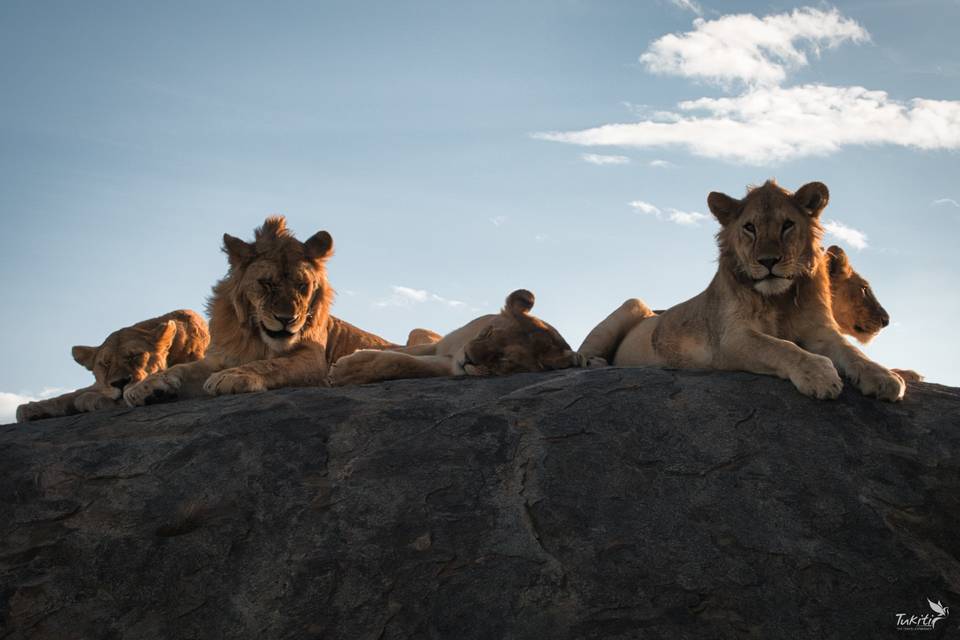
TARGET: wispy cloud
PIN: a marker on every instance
(10, 401)
(644, 207)
(749, 49)
(662, 164)
(853, 237)
(498, 221)
(688, 5)
(942, 201)
(407, 296)
(684, 218)
(597, 159)
(776, 124)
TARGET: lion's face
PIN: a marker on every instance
(127, 356)
(278, 281)
(855, 307)
(516, 342)
(772, 236)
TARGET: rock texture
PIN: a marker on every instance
(606, 503)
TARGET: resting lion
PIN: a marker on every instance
(767, 309)
(126, 357)
(270, 322)
(512, 341)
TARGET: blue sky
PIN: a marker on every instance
(454, 151)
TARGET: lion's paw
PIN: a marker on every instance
(355, 368)
(235, 380)
(908, 375)
(32, 411)
(818, 378)
(156, 388)
(93, 401)
(879, 382)
(594, 362)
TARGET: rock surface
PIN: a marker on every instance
(608, 503)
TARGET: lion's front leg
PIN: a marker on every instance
(180, 381)
(62, 405)
(871, 378)
(813, 375)
(303, 368)
(366, 366)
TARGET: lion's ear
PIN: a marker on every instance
(164, 335)
(237, 250)
(813, 197)
(520, 302)
(724, 208)
(319, 246)
(838, 262)
(84, 356)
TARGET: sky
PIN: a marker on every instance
(457, 151)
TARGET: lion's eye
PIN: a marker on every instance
(863, 291)
(266, 283)
(750, 228)
(787, 225)
(303, 288)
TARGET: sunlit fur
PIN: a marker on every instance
(125, 358)
(767, 310)
(270, 321)
(512, 341)
(855, 307)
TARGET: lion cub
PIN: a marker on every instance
(512, 341)
(126, 357)
(767, 309)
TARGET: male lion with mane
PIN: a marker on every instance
(126, 357)
(767, 310)
(512, 341)
(270, 322)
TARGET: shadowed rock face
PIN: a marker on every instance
(608, 503)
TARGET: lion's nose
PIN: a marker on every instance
(286, 320)
(120, 383)
(768, 262)
(884, 318)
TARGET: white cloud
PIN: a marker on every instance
(10, 401)
(749, 49)
(662, 164)
(688, 5)
(776, 124)
(685, 218)
(498, 220)
(942, 201)
(645, 207)
(853, 237)
(406, 296)
(540, 237)
(594, 158)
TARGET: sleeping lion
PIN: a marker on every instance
(270, 322)
(767, 309)
(126, 357)
(512, 341)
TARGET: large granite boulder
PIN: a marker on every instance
(609, 503)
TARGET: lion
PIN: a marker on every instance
(270, 322)
(767, 309)
(512, 341)
(126, 357)
(855, 306)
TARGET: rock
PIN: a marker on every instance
(612, 503)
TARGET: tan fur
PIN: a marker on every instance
(126, 357)
(767, 310)
(422, 336)
(509, 342)
(270, 322)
